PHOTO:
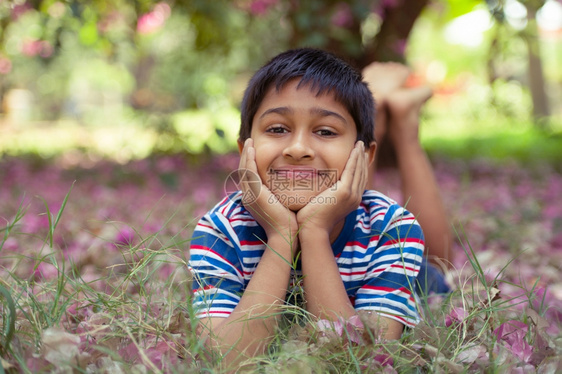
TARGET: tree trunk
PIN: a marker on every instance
(391, 40)
(536, 77)
(389, 44)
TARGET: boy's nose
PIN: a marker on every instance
(298, 148)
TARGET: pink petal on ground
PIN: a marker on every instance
(59, 347)
(513, 334)
(457, 315)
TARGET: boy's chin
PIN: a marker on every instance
(295, 202)
(295, 207)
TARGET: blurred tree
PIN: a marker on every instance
(530, 35)
(361, 30)
(160, 58)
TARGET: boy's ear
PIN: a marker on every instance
(240, 145)
(372, 150)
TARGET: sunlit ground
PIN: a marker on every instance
(450, 127)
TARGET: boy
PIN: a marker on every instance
(306, 138)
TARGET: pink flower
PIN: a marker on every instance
(125, 236)
(343, 16)
(31, 48)
(160, 354)
(260, 7)
(383, 357)
(153, 21)
(46, 271)
(19, 10)
(457, 316)
(330, 329)
(342, 328)
(5, 65)
(512, 334)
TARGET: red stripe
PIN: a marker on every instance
(405, 240)
(212, 313)
(353, 273)
(401, 266)
(404, 320)
(251, 242)
(389, 290)
(207, 287)
(402, 219)
(374, 238)
(378, 288)
(396, 266)
(376, 215)
(363, 225)
(242, 220)
(223, 210)
(356, 243)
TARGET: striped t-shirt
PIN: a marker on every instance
(378, 252)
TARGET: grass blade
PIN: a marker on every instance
(10, 326)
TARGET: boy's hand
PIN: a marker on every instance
(347, 194)
(266, 209)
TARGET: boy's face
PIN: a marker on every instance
(302, 142)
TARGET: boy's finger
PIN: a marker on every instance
(351, 166)
(359, 177)
(366, 168)
(364, 172)
(249, 179)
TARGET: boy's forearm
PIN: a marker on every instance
(325, 294)
(250, 327)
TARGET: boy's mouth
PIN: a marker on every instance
(295, 173)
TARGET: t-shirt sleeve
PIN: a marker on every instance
(215, 266)
(398, 245)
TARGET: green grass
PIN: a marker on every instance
(528, 147)
(138, 322)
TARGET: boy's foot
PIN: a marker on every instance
(383, 79)
(404, 110)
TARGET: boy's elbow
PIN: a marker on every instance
(228, 346)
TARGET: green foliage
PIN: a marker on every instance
(155, 56)
(150, 65)
(456, 8)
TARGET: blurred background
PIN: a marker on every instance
(82, 81)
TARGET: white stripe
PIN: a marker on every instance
(213, 231)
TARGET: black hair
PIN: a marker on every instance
(323, 72)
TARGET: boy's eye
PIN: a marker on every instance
(277, 130)
(325, 132)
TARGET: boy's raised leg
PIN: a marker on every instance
(419, 187)
(383, 78)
